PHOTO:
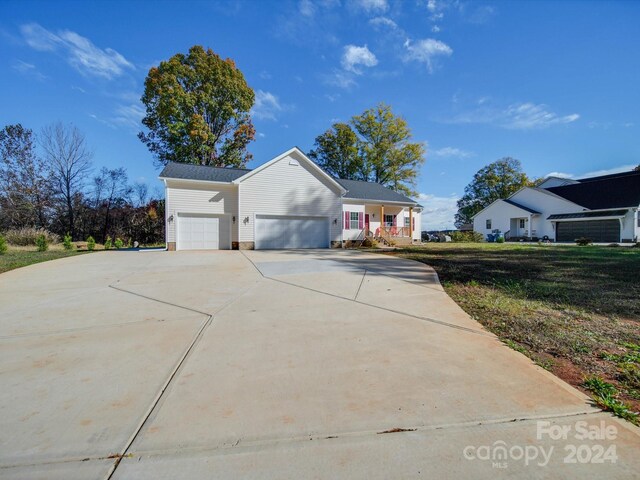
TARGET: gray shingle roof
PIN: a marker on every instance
(356, 189)
(608, 191)
(601, 213)
(360, 190)
(186, 171)
(527, 209)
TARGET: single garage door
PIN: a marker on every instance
(279, 232)
(597, 230)
(203, 232)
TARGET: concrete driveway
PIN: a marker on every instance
(265, 365)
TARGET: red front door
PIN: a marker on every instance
(366, 221)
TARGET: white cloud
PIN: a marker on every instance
(28, 70)
(383, 22)
(372, 6)
(517, 116)
(559, 175)
(439, 212)
(266, 106)
(129, 115)
(307, 8)
(452, 152)
(353, 56)
(426, 50)
(340, 79)
(81, 53)
(526, 116)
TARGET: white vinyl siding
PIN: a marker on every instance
(201, 198)
(288, 188)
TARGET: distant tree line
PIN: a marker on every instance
(48, 182)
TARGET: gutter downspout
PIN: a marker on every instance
(166, 217)
(342, 219)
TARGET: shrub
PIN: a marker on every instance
(42, 243)
(27, 236)
(500, 240)
(118, 243)
(66, 243)
(3, 245)
(91, 243)
(466, 237)
(583, 241)
(108, 244)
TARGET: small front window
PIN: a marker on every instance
(353, 220)
(407, 222)
(388, 221)
(522, 223)
(489, 224)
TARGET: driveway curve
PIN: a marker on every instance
(275, 364)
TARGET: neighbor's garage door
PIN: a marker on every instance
(291, 232)
(596, 230)
(203, 232)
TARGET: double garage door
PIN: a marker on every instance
(280, 232)
(203, 232)
(602, 231)
(213, 232)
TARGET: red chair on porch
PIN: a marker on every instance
(393, 231)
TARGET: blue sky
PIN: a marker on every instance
(554, 84)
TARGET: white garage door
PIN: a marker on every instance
(203, 232)
(275, 232)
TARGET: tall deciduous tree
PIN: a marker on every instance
(337, 152)
(385, 152)
(498, 180)
(24, 186)
(110, 187)
(69, 161)
(197, 110)
(637, 169)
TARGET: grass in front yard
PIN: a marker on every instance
(573, 310)
(17, 257)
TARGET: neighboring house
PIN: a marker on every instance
(604, 209)
(288, 202)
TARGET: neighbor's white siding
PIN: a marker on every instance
(547, 204)
(200, 197)
(629, 230)
(500, 213)
(288, 187)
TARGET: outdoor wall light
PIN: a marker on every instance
(170, 219)
(234, 219)
(246, 220)
(335, 221)
(373, 215)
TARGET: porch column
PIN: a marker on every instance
(411, 223)
(381, 217)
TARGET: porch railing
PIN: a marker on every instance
(394, 232)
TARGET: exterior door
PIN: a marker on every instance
(366, 222)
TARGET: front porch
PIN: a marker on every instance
(389, 225)
(521, 229)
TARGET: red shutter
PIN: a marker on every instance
(360, 220)
(346, 220)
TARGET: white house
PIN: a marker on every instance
(604, 209)
(288, 202)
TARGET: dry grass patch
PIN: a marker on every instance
(573, 310)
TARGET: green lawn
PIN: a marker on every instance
(17, 257)
(573, 310)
